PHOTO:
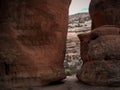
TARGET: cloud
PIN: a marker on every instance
(85, 9)
(79, 6)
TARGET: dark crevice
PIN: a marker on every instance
(94, 37)
(7, 68)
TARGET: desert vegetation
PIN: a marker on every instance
(78, 23)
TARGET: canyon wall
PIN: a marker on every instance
(32, 41)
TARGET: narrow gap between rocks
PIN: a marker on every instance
(78, 23)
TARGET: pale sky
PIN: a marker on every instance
(78, 6)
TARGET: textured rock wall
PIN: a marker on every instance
(32, 41)
(100, 52)
(104, 12)
(100, 49)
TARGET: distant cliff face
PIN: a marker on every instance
(32, 41)
(104, 12)
(79, 20)
(83, 16)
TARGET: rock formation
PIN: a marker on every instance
(100, 52)
(104, 12)
(100, 49)
(32, 41)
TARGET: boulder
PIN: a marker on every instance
(100, 52)
(104, 12)
(100, 73)
(32, 41)
(86, 39)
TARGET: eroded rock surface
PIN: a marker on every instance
(104, 12)
(100, 52)
(32, 41)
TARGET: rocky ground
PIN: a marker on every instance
(78, 23)
(70, 83)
